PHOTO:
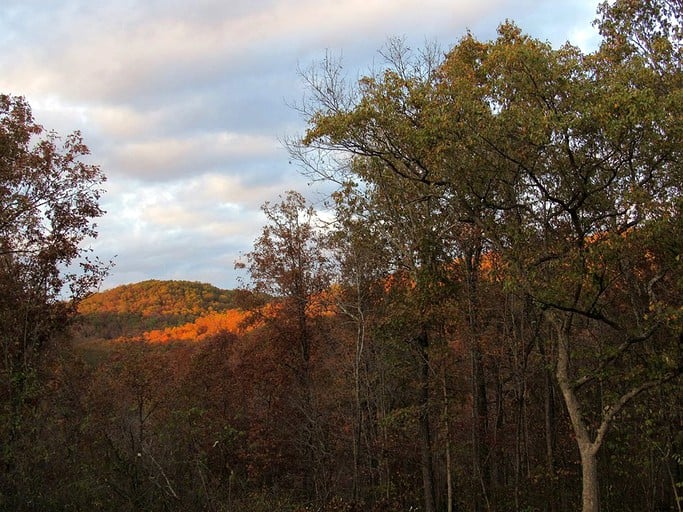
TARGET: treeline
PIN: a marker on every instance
(246, 422)
(488, 316)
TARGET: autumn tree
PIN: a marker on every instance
(391, 128)
(49, 197)
(363, 268)
(564, 165)
(288, 264)
(385, 292)
(586, 177)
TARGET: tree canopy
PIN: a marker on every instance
(566, 166)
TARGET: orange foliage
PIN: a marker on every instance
(398, 279)
(161, 298)
(202, 328)
(322, 303)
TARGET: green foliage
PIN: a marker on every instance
(162, 298)
(561, 167)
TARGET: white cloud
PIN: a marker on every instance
(111, 52)
(182, 103)
(200, 224)
(123, 121)
(172, 157)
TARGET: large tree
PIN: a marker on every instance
(566, 165)
(587, 158)
(49, 197)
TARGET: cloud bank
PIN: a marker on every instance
(183, 103)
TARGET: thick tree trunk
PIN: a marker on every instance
(590, 495)
(587, 448)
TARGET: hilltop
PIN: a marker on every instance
(131, 310)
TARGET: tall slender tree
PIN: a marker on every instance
(289, 264)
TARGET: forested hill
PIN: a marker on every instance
(161, 298)
(133, 309)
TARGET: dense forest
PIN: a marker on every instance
(488, 315)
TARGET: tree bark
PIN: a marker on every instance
(425, 431)
(590, 494)
(450, 491)
(587, 449)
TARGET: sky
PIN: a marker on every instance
(183, 103)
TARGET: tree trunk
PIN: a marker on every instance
(358, 424)
(480, 426)
(587, 449)
(450, 492)
(309, 438)
(550, 426)
(550, 442)
(479, 394)
(590, 496)
(425, 434)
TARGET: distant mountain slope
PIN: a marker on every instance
(168, 298)
(133, 309)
